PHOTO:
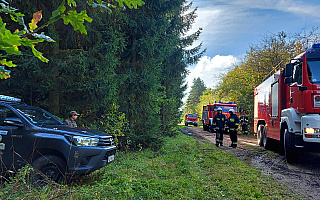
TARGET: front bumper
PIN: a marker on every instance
(192, 122)
(84, 160)
(310, 121)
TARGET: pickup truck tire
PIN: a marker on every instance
(48, 168)
(290, 150)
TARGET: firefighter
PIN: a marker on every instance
(244, 124)
(219, 122)
(233, 124)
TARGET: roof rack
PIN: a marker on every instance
(8, 98)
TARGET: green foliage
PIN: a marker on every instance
(76, 20)
(11, 42)
(114, 123)
(130, 3)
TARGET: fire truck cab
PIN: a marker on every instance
(209, 111)
(287, 106)
(191, 119)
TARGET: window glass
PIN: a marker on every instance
(6, 113)
(297, 74)
(37, 115)
(314, 71)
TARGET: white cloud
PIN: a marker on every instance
(208, 69)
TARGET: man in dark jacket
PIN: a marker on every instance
(219, 121)
(233, 124)
(244, 124)
(71, 121)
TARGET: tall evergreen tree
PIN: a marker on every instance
(153, 67)
(197, 89)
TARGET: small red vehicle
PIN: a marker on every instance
(209, 111)
(191, 119)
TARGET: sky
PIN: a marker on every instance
(231, 26)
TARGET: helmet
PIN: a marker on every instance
(219, 109)
(231, 111)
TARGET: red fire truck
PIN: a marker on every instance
(209, 111)
(191, 119)
(287, 106)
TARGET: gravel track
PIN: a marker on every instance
(302, 178)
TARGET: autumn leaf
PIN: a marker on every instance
(37, 16)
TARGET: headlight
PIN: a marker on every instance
(84, 141)
(311, 130)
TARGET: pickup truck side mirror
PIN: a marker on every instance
(13, 121)
(288, 71)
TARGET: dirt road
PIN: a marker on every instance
(302, 178)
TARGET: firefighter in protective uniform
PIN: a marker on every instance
(219, 122)
(233, 124)
(244, 124)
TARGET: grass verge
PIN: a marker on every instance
(184, 168)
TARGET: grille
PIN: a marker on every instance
(105, 141)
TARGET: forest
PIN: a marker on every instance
(120, 64)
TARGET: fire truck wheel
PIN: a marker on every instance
(211, 129)
(290, 150)
(259, 135)
(265, 140)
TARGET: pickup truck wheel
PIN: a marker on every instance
(290, 150)
(259, 135)
(48, 168)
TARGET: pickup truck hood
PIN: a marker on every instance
(64, 129)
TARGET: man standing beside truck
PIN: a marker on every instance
(233, 123)
(244, 124)
(219, 121)
(71, 121)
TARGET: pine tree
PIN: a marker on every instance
(197, 89)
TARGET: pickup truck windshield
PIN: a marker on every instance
(314, 71)
(38, 116)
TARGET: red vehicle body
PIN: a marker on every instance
(191, 119)
(287, 106)
(209, 111)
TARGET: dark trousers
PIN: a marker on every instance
(245, 128)
(234, 138)
(219, 136)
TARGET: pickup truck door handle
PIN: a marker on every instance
(16, 136)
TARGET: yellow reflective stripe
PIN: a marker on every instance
(232, 120)
(237, 124)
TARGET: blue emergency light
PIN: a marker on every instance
(315, 46)
(7, 98)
